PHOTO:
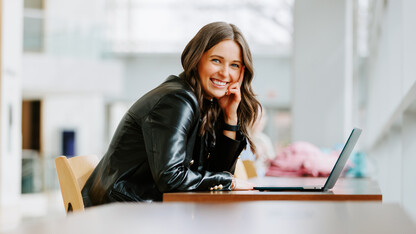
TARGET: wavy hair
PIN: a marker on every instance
(207, 37)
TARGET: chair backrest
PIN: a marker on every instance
(240, 170)
(250, 168)
(73, 173)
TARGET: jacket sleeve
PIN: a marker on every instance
(166, 131)
(226, 153)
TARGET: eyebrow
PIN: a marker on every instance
(223, 58)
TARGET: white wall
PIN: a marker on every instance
(146, 71)
(73, 93)
(386, 79)
(10, 101)
(75, 28)
(391, 112)
(45, 74)
(409, 46)
(272, 80)
(83, 113)
(322, 71)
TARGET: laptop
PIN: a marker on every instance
(335, 173)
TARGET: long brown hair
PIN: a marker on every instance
(207, 37)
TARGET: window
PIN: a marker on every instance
(140, 26)
(33, 25)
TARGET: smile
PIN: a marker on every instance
(218, 82)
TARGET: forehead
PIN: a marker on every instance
(228, 49)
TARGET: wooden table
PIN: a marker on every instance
(235, 217)
(346, 189)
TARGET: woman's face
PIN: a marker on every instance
(219, 67)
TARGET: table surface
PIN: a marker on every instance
(346, 189)
(233, 217)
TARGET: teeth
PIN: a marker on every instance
(217, 82)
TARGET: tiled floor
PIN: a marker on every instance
(33, 207)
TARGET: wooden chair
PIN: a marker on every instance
(250, 168)
(72, 175)
(240, 171)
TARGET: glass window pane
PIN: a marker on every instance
(32, 34)
(33, 4)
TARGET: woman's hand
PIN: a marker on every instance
(231, 100)
(242, 184)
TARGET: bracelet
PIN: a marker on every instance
(233, 128)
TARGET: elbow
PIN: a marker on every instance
(169, 181)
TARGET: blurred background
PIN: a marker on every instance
(71, 68)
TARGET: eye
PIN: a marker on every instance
(235, 65)
(215, 60)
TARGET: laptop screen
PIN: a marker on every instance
(343, 158)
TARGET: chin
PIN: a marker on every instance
(218, 95)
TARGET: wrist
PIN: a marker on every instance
(231, 120)
(233, 184)
(233, 128)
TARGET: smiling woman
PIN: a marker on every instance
(187, 133)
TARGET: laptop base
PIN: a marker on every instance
(281, 189)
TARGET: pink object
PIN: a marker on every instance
(302, 159)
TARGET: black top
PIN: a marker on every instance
(156, 148)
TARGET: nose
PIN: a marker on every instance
(224, 71)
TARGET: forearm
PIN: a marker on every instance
(232, 121)
(230, 133)
(226, 153)
(188, 180)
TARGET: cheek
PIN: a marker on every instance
(204, 71)
(235, 75)
(210, 69)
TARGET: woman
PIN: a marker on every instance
(187, 133)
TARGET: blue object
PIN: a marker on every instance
(68, 143)
(359, 167)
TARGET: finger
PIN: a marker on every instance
(236, 92)
(233, 89)
(233, 85)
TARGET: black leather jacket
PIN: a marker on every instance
(156, 148)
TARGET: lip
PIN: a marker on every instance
(215, 82)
